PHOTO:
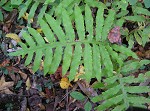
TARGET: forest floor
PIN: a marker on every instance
(20, 89)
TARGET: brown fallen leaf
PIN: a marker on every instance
(139, 54)
(28, 84)
(4, 86)
(147, 54)
(85, 87)
(42, 107)
(16, 70)
(4, 63)
(9, 20)
(23, 75)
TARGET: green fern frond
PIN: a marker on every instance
(75, 61)
(73, 48)
(25, 5)
(6, 5)
(32, 6)
(133, 66)
(124, 94)
(141, 35)
(107, 24)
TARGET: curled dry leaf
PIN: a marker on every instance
(28, 84)
(4, 86)
(64, 83)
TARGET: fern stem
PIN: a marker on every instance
(52, 45)
(124, 92)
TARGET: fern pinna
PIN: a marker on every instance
(122, 92)
(74, 48)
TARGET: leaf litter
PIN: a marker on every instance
(38, 92)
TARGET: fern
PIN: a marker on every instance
(30, 6)
(53, 7)
(74, 48)
(6, 5)
(120, 93)
(124, 3)
(132, 66)
(141, 33)
(146, 2)
(25, 6)
(140, 16)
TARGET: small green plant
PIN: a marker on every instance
(35, 4)
(6, 5)
(138, 15)
(141, 34)
(79, 96)
(123, 4)
(134, 2)
(53, 7)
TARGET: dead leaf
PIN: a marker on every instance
(4, 86)
(23, 75)
(16, 70)
(4, 63)
(14, 37)
(9, 20)
(42, 107)
(80, 73)
(85, 87)
(64, 83)
(147, 54)
(25, 16)
(39, 30)
(28, 84)
(139, 54)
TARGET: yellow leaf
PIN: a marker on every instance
(13, 36)
(25, 16)
(80, 73)
(28, 84)
(64, 83)
(39, 30)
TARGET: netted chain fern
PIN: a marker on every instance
(122, 92)
(74, 48)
